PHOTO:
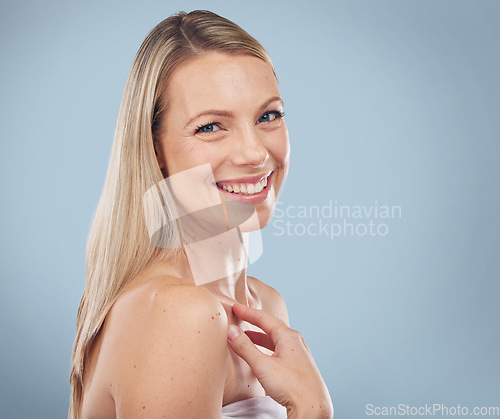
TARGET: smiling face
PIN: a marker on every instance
(226, 110)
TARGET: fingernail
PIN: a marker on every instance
(233, 332)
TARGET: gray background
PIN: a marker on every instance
(390, 101)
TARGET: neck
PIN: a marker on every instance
(219, 264)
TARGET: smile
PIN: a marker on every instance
(254, 186)
(245, 188)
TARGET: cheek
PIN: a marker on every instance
(189, 155)
(176, 158)
(279, 146)
(280, 150)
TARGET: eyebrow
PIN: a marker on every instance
(230, 114)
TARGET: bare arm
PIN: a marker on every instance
(167, 354)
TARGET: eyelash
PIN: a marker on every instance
(198, 128)
(278, 113)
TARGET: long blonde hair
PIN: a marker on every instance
(119, 248)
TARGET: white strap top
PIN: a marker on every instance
(254, 408)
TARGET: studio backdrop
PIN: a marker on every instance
(386, 241)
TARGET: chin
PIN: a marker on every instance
(258, 220)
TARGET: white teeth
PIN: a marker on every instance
(248, 189)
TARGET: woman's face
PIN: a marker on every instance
(226, 110)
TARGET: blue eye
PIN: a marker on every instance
(212, 127)
(271, 116)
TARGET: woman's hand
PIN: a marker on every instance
(290, 376)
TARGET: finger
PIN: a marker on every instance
(244, 348)
(260, 318)
(261, 339)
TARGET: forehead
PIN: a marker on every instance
(220, 81)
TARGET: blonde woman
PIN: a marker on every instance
(201, 132)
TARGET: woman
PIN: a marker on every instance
(166, 260)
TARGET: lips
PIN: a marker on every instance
(245, 186)
(252, 189)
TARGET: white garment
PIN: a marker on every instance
(254, 408)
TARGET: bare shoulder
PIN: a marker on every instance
(162, 295)
(166, 351)
(158, 303)
(271, 299)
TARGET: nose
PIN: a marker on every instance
(251, 150)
